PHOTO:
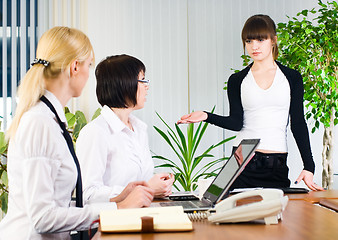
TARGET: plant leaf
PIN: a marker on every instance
(80, 118)
(4, 178)
(4, 201)
(70, 119)
(170, 129)
(96, 114)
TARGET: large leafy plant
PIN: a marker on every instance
(189, 167)
(309, 44)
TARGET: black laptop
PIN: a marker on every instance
(222, 182)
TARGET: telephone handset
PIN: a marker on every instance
(269, 208)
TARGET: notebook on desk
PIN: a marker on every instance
(222, 182)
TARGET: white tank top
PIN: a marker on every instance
(266, 112)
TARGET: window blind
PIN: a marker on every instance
(18, 40)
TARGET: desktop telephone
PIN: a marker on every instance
(269, 208)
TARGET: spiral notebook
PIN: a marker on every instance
(222, 182)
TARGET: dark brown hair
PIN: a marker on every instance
(260, 27)
(117, 81)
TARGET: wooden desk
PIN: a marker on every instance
(314, 197)
(330, 203)
(301, 220)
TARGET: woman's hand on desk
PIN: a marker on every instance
(307, 177)
(193, 117)
(162, 183)
(135, 194)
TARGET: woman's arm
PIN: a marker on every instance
(235, 119)
(298, 124)
(232, 122)
(301, 133)
(92, 151)
(46, 182)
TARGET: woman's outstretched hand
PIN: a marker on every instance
(307, 177)
(193, 117)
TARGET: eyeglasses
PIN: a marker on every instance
(145, 82)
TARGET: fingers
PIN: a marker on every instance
(314, 187)
(298, 180)
(169, 176)
(165, 189)
(186, 116)
(148, 196)
(184, 119)
(189, 120)
(300, 177)
(307, 177)
(141, 196)
(181, 122)
(318, 188)
(163, 176)
(168, 192)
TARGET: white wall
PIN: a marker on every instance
(189, 48)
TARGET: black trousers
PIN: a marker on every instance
(264, 170)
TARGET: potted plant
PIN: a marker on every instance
(3, 173)
(309, 44)
(189, 168)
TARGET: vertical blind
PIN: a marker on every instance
(18, 39)
(22, 24)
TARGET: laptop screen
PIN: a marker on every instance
(231, 170)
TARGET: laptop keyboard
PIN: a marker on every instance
(184, 204)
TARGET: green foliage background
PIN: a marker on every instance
(309, 44)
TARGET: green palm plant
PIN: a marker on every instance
(189, 168)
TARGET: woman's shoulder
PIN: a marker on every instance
(237, 78)
(288, 71)
(96, 126)
(38, 125)
(39, 116)
(138, 122)
(242, 73)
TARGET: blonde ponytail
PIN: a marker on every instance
(31, 88)
(60, 46)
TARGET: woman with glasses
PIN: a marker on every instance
(263, 98)
(113, 149)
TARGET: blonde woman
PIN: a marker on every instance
(42, 166)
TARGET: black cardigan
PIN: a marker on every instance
(297, 122)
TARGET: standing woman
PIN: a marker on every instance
(113, 149)
(263, 98)
(42, 166)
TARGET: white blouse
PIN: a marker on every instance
(42, 175)
(266, 112)
(111, 155)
